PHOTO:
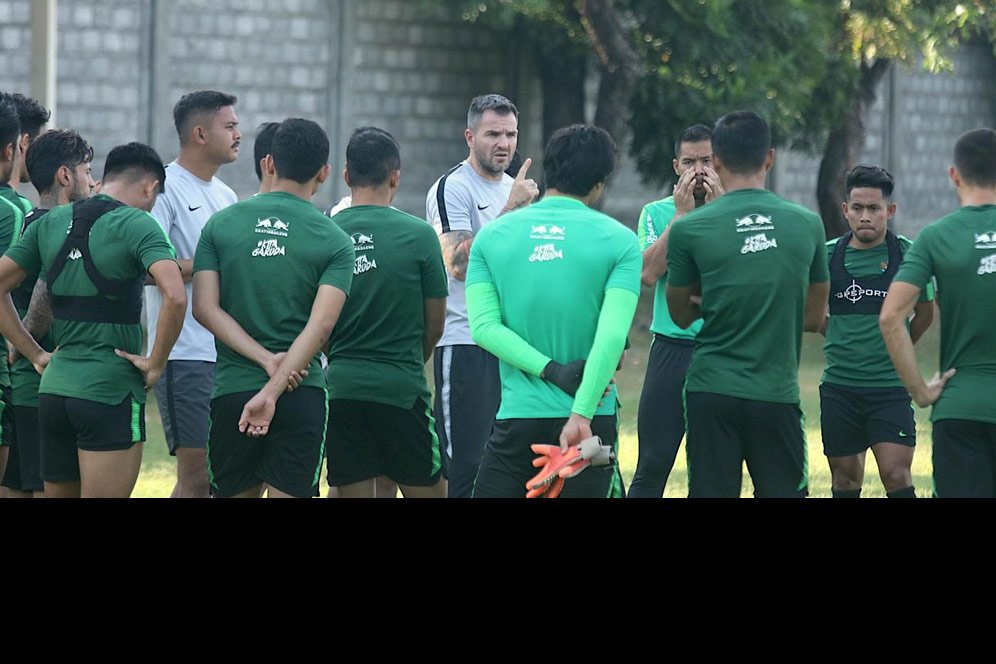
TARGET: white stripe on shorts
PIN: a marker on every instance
(445, 398)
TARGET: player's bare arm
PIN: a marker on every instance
(186, 271)
(923, 316)
(11, 327)
(655, 256)
(174, 294)
(684, 304)
(434, 310)
(38, 318)
(208, 312)
(258, 412)
(816, 307)
(896, 310)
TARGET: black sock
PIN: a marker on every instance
(838, 493)
(908, 492)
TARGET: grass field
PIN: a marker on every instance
(159, 469)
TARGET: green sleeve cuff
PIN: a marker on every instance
(618, 309)
(490, 333)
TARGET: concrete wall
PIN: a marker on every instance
(122, 64)
(912, 130)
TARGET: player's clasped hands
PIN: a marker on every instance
(273, 364)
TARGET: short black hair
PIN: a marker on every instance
(10, 124)
(694, 134)
(264, 144)
(975, 157)
(371, 156)
(741, 140)
(53, 150)
(32, 114)
(300, 150)
(134, 161)
(577, 158)
(869, 177)
(193, 103)
(500, 105)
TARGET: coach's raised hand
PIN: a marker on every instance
(524, 190)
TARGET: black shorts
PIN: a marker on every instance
(6, 418)
(725, 431)
(855, 418)
(288, 458)
(508, 460)
(24, 464)
(964, 458)
(183, 394)
(468, 394)
(368, 439)
(68, 425)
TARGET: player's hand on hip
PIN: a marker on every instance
(40, 362)
(933, 389)
(257, 415)
(150, 372)
(578, 428)
(524, 190)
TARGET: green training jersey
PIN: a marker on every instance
(551, 264)
(959, 250)
(272, 252)
(855, 349)
(653, 221)
(376, 348)
(24, 380)
(124, 243)
(13, 207)
(755, 255)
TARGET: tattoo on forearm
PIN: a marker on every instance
(38, 320)
(456, 254)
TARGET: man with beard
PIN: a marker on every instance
(59, 163)
(459, 205)
(661, 419)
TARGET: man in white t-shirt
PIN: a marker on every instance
(209, 138)
(459, 204)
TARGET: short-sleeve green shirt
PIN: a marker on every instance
(13, 207)
(855, 349)
(376, 350)
(755, 255)
(124, 243)
(24, 380)
(959, 251)
(654, 221)
(272, 252)
(551, 264)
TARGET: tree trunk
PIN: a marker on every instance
(563, 90)
(619, 65)
(843, 149)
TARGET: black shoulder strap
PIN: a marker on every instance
(895, 254)
(118, 301)
(837, 258)
(85, 215)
